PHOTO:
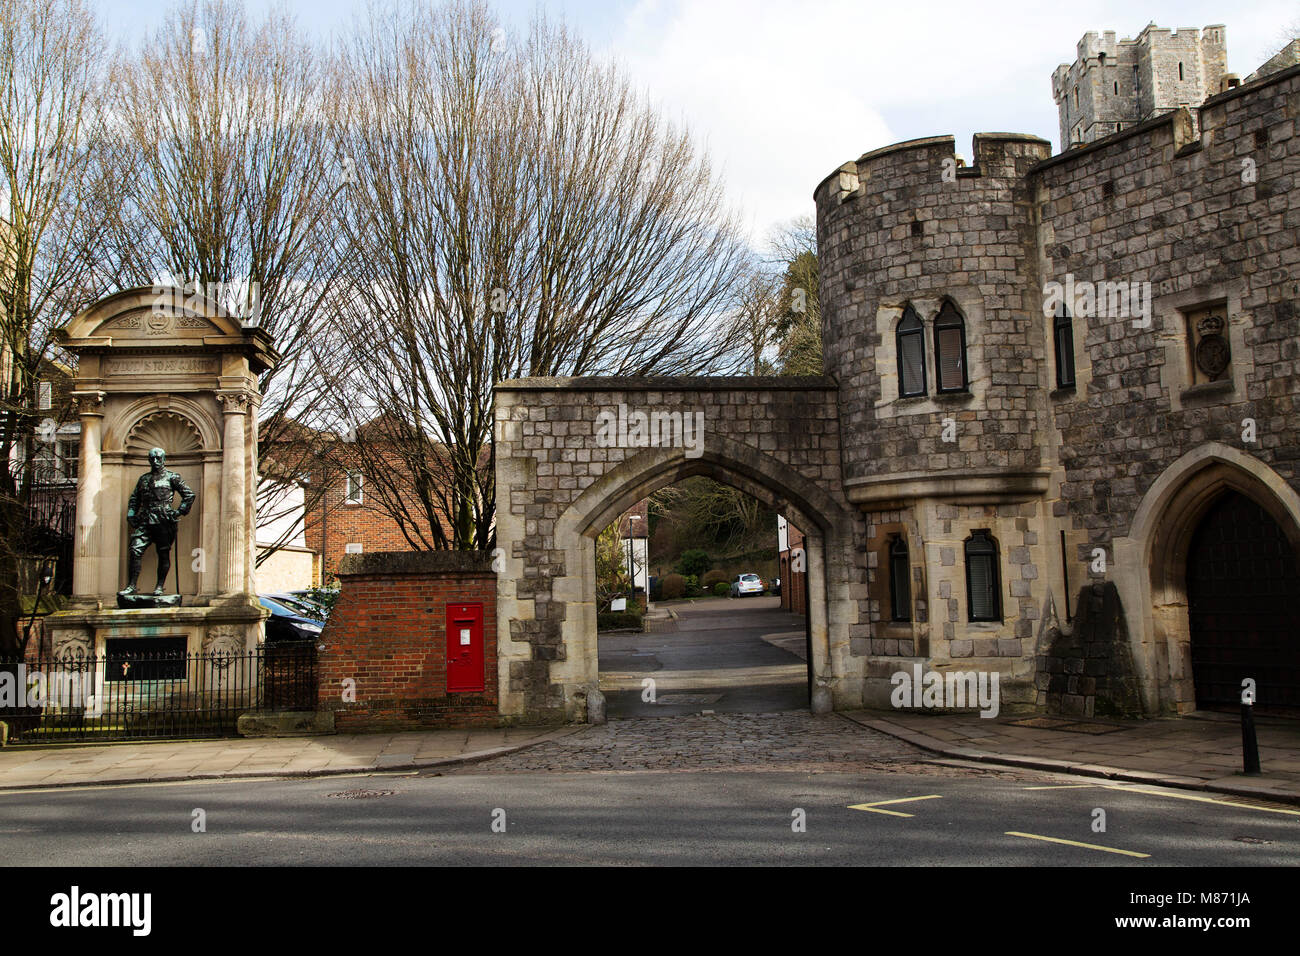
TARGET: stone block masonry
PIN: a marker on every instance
(387, 634)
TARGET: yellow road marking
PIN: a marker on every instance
(1086, 846)
(874, 807)
(1175, 796)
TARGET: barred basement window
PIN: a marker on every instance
(909, 340)
(900, 585)
(983, 592)
(950, 349)
(1063, 334)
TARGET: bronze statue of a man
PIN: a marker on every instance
(153, 519)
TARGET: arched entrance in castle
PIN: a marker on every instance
(1242, 584)
(1218, 534)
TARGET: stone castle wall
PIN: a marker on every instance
(1161, 206)
(1204, 210)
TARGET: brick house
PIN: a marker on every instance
(791, 555)
(348, 516)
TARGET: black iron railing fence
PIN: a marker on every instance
(151, 695)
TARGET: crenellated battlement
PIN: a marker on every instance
(1116, 84)
(1030, 348)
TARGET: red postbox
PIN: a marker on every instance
(464, 648)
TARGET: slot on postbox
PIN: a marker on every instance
(464, 648)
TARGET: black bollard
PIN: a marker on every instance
(1249, 745)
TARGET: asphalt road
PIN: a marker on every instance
(716, 660)
(632, 819)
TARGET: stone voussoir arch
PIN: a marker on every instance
(724, 459)
(1151, 561)
(559, 485)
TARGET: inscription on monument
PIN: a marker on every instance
(162, 365)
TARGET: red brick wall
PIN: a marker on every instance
(793, 596)
(388, 633)
(332, 524)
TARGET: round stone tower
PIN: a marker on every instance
(933, 327)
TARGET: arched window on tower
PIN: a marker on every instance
(909, 341)
(950, 349)
(900, 584)
(1063, 336)
(983, 592)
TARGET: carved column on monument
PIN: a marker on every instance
(235, 406)
(90, 407)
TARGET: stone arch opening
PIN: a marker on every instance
(574, 454)
(729, 463)
(1160, 541)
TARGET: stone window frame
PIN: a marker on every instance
(995, 558)
(1170, 311)
(910, 313)
(899, 612)
(954, 320)
(1063, 322)
(970, 304)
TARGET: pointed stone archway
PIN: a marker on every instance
(560, 480)
(1151, 562)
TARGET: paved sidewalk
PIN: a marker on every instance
(1201, 752)
(22, 768)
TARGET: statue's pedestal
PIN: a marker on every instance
(137, 600)
(227, 629)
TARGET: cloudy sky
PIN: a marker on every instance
(784, 91)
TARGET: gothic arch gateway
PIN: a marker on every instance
(563, 475)
(1152, 565)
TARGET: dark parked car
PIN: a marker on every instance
(301, 603)
(290, 620)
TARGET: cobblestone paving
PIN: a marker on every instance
(784, 742)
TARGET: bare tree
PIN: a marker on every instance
(228, 191)
(520, 210)
(52, 88)
(713, 515)
(758, 311)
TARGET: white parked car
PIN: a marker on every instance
(746, 584)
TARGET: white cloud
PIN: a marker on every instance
(784, 93)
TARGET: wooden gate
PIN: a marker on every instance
(1243, 595)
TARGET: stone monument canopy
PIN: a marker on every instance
(142, 318)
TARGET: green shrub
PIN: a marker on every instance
(673, 586)
(721, 589)
(711, 579)
(618, 620)
(695, 562)
(692, 585)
